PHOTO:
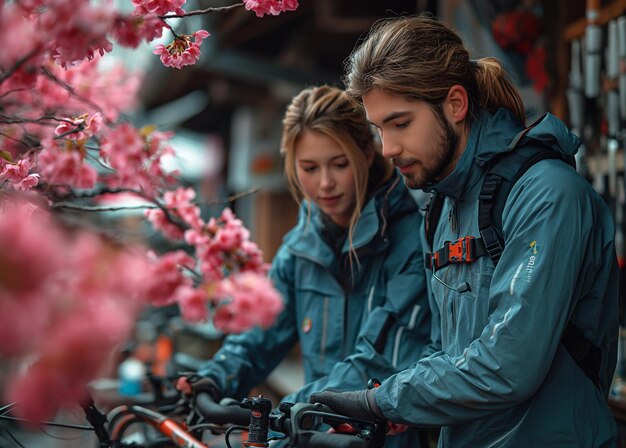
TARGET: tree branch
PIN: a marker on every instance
(101, 208)
(6, 75)
(202, 11)
(69, 88)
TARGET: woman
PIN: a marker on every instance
(351, 270)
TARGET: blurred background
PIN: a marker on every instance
(226, 112)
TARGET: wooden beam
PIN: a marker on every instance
(605, 14)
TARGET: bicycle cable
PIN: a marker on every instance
(230, 430)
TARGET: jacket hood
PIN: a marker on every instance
(390, 200)
(491, 135)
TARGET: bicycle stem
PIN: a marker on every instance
(258, 429)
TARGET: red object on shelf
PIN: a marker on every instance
(516, 31)
(536, 68)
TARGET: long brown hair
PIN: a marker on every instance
(420, 58)
(330, 111)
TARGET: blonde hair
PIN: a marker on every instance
(330, 111)
(420, 58)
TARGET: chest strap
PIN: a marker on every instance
(463, 250)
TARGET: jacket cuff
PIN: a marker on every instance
(370, 397)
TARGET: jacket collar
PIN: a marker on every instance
(389, 200)
(491, 135)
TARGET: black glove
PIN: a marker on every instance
(358, 404)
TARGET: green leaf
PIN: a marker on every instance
(6, 155)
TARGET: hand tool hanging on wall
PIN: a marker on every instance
(621, 41)
(612, 109)
(592, 61)
(576, 103)
(593, 45)
(616, 188)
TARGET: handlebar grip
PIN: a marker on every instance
(221, 414)
(314, 439)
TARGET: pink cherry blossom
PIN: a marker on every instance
(78, 30)
(18, 36)
(31, 251)
(271, 7)
(69, 297)
(246, 300)
(18, 174)
(135, 156)
(159, 7)
(179, 203)
(130, 31)
(65, 164)
(82, 127)
(71, 356)
(67, 300)
(166, 277)
(193, 303)
(182, 51)
(161, 222)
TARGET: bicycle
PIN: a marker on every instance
(300, 425)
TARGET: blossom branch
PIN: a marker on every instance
(202, 11)
(101, 208)
(7, 74)
(71, 90)
(98, 192)
(6, 119)
(235, 196)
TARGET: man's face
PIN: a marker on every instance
(420, 142)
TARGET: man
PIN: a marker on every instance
(504, 369)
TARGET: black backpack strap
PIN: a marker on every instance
(500, 178)
(431, 219)
(502, 174)
(587, 356)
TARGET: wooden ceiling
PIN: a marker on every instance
(250, 56)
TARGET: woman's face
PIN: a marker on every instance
(326, 176)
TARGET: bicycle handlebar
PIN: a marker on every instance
(316, 439)
(299, 422)
(304, 424)
(307, 418)
(221, 414)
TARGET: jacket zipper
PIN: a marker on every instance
(453, 304)
(409, 326)
(370, 299)
(324, 330)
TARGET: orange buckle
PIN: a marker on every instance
(460, 246)
(435, 260)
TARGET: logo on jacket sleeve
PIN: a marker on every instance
(530, 265)
(307, 324)
(526, 273)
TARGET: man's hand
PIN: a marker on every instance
(193, 384)
(359, 404)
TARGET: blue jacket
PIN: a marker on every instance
(376, 325)
(498, 375)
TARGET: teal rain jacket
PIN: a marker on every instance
(498, 375)
(373, 327)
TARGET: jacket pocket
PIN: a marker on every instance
(320, 327)
(400, 339)
(410, 338)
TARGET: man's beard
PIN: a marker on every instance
(445, 146)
